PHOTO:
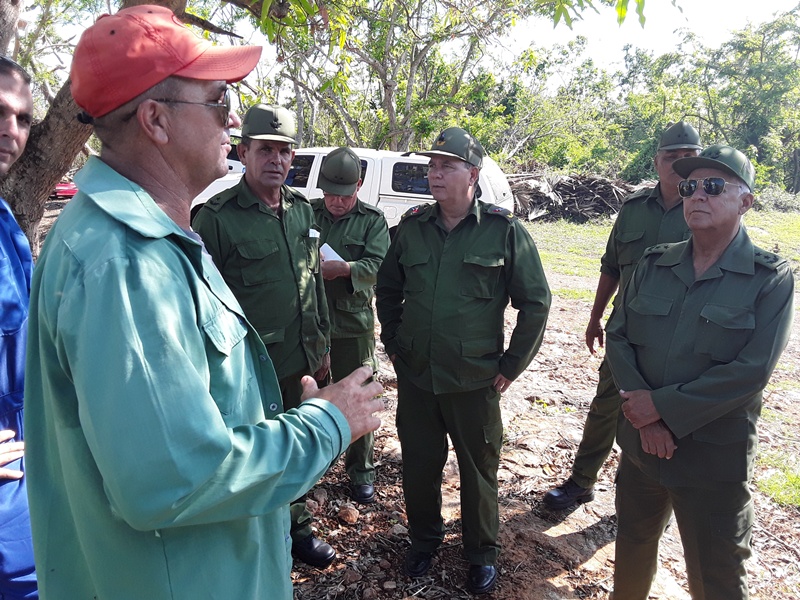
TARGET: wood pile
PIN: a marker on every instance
(577, 198)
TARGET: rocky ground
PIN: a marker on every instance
(546, 556)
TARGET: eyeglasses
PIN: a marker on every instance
(713, 186)
(224, 107)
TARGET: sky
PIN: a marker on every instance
(711, 20)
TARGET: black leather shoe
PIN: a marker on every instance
(363, 493)
(481, 578)
(567, 494)
(313, 552)
(418, 563)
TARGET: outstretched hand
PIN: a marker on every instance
(9, 452)
(357, 396)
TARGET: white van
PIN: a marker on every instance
(392, 181)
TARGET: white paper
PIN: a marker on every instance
(329, 253)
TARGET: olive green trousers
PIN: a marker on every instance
(472, 420)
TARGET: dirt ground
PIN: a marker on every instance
(546, 556)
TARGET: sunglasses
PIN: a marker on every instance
(713, 186)
(224, 107)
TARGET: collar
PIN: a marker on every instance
(738, 257)
(474, 210)
(125, 201)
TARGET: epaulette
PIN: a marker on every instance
(640, 193)
(768, 259)
(216, 203)
(415, 211)
(657, 249)
(296, 194)
(493, 209)
(371, 207)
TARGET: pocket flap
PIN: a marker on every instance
(352, 305)
(626, 237)
(484, 261)
(257, 249)
(729, 317)
(482, 347)
(723, 431)
(415, 257)
(272, 337)
(225, 330)
(645, 304)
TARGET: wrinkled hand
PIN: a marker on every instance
(501, 384)
(331, 269)
(9, 452)
(324, 368)
(638, 408)
(594, 331)
(657, 439)
(357, 396)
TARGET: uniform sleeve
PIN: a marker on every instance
(530, 295)
(609, 262)
(153, 418)
(688, 406)
(209, 227)
(322, 308)
(620, 354)
(364, 272)
(389, 295)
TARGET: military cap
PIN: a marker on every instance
(340, 172)
(454, 141)
(679, 135)
(726, 159)
(264, 122)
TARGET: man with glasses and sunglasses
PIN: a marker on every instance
(263, 238)
(161, 464)
(17, 572)
(692, 344)
(647, 217)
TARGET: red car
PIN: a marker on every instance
(64, 189)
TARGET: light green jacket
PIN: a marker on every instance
(152, 471)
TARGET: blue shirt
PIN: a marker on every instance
(16, 549)
(160, 464)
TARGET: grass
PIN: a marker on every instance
(777, 232)
(782, 480)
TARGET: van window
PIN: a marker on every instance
(363, 167)
(410, 178)
(300, 170)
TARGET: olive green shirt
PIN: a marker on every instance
(441, 298)
(643, 221)
(361, 237)
(271, 264)
(706, 348)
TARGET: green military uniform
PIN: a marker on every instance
(441, 299)
(361, 237)
(642, 222)
(271, 264)
(706, 349)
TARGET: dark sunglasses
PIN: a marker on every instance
(713, 186)
(224, 107)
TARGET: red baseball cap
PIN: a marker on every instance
(124, 54)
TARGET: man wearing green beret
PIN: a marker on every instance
(699, 329)
(441, 297)
(647, 217)
(354, 238)
(262, 237)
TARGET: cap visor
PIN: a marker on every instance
(270, 136)
(336, 189)
(685, 166)
(679, 146)
(228, 63)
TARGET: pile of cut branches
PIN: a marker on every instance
(577, 198)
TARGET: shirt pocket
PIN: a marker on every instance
(647, 320)
(256, 260)
(480, 275)
(13, 310)
(724, 330)
(630, 247)
(225, 333)
(480, 359)
(413, 263)
(312, 252)
(354, 248)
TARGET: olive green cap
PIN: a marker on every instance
(679, 135)
(340, 172)
(454, 141)
(726, 159)
(264, 122)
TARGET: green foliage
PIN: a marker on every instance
(782, 481)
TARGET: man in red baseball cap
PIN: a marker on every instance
(161, 463)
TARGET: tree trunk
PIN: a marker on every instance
(9, 17)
